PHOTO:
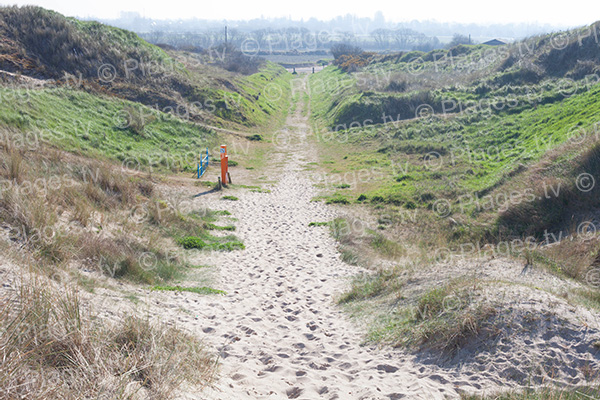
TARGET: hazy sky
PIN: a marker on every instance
(554, 12)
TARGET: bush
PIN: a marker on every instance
(458, 39)
(345, 49)
(234, 60)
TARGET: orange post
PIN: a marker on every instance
(224, 164)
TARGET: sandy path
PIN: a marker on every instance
(278, 330)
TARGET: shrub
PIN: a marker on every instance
(136, 120)
(234, 60)
(458, 39)
(345, 49)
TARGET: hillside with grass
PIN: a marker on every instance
(61, 51)
(100, 133)
(457, 159)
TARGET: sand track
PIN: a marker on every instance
(278, 330)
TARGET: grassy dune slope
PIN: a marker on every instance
(469, 165)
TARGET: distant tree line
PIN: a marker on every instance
(293, 39)
(356, 26)
(403, 39)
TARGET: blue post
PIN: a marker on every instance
(202, 165)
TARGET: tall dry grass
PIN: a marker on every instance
(51, 348)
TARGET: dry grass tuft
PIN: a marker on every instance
(51, 349)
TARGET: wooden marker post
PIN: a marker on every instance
(223, 164)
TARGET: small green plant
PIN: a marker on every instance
(136, 120)
(362, 198)
(228, 197)
(221, 212)
(198, 290)
(133, 298)
(337, 200)
(231, 163)
(348, 256)
(192, 242)
(256, 138)
(220, 228)
(342, 186)
(228, 246)
(318, 224)
(212, 243)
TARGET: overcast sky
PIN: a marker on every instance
(562, 13)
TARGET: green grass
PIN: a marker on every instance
(222, 212)
(386, 247)
(469, 161)
(547, 393)
(319, 223)
(198, 290)
(337, 200)
(96, 126)
(228, 197)
(368, 286)
(257, 100)
(208, 242)
(220, 228)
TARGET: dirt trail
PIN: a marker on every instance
(278, 330)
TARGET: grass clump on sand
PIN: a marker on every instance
(228, 197)
(52, 348)
(337, 200)
(368, 286)
(444, 318)
(545, 393)
(214, 227)
(228, 243)
(319, 224)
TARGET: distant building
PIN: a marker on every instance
(494, 42)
